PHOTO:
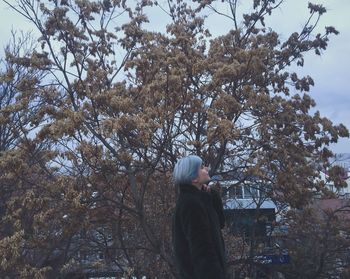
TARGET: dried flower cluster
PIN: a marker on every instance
(94, 117)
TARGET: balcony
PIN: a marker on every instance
(246, 197)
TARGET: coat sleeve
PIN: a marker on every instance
(217, 204)
(196, 227)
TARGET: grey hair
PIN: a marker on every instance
(186, 169)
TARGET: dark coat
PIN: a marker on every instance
(197, 239)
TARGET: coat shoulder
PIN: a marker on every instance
(188, 201)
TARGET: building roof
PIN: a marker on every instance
(339, 206)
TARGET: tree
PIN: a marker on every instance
(18, 84)
(34, 235)
(123, 102)
(318, 241)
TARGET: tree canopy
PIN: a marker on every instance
(94, 117)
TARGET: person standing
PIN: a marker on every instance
(197, 222)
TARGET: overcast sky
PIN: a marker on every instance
(331, 71)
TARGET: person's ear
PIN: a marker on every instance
(195, 181)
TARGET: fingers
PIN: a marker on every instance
(206, 188)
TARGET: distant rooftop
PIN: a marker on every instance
(341, 206)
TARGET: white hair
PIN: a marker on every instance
(186, 169)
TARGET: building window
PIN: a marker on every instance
(235, 192)
(250, 192)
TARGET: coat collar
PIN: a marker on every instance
(189, 188)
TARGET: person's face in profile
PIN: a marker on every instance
(203, 176)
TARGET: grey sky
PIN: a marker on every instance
(331, 71)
